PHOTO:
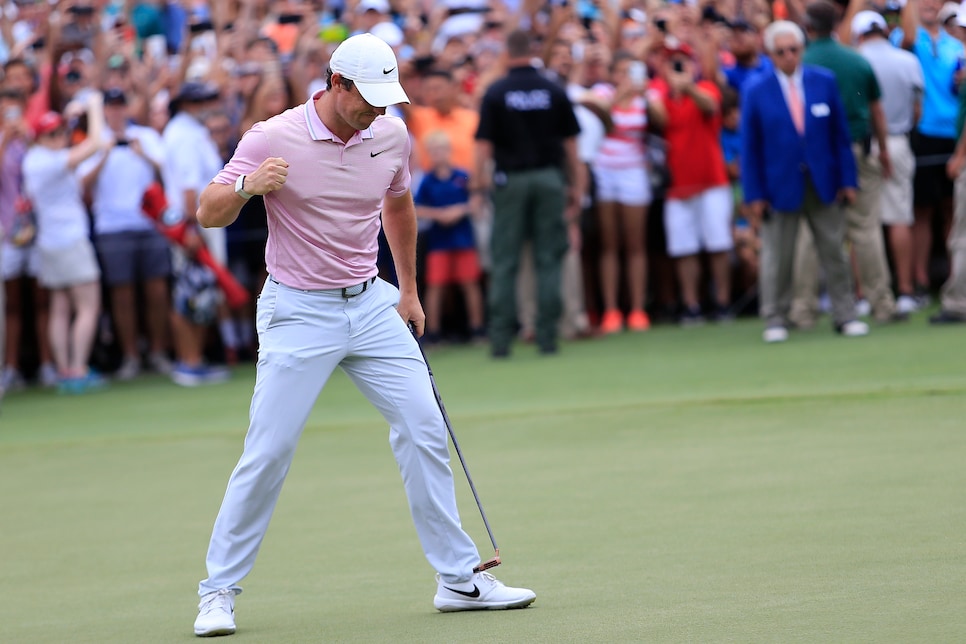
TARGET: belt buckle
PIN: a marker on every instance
(346, 290)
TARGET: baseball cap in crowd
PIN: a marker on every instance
(115, 96)
(196, 92)
(49, 122)
(380, 6)
(961, 17)
(371, 64)
(740, 24)
(388, 32)
(674, 46)
(949, 10)
(866, 22)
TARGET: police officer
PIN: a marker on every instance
(527, 134)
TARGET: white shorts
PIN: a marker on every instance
(895, 201)
(702, 222)
(628, 186)
(66, 267)
(19, 261)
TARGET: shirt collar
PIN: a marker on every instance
(317, 129)
(796, 76)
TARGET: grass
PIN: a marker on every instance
(676, 486)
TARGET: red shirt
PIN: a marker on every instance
(694, 157)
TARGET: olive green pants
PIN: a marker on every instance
(527, 206)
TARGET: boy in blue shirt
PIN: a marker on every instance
(451, 255)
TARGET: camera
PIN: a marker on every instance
(661, 25)
(678, 66)
(121, 143)
(82, 10)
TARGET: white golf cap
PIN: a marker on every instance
(371, 64)
(866, 21)
(382, 6)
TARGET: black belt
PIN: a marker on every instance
(346, 292)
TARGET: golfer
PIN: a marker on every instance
(327, 169)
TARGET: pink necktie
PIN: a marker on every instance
(795, 107)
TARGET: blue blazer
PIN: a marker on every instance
(775, 157)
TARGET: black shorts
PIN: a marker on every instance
(133, 256)
(931, 185)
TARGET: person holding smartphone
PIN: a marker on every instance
(624, 194)
(698, 210)
(68, 263)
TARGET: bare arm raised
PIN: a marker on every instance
(220, 204)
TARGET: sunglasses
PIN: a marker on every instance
(781, 51)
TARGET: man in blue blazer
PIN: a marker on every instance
(796, 161)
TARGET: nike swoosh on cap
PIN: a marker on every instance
(466, 593)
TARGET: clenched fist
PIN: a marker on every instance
(269, 177)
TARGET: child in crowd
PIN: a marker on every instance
(451, 255)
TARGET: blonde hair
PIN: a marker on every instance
(436, 138)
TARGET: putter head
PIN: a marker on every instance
(489, 563)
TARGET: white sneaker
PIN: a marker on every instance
(906, 304)
(12, 380)
(129, 369)
(482, 592)
(48, 375)
(160, 363)
(216, 614)
(863, 308)
(775, 334)
(854, 329)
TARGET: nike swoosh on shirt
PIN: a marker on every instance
(465, 593)
(375, 154)
(388, 71)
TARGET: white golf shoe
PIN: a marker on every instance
(482, 592)
(216, 614)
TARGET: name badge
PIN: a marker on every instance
(820, 110)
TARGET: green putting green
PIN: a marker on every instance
(674, 486)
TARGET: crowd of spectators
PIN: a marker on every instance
(100, 99)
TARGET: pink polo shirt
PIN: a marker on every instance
(324, 222)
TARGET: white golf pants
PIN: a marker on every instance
(303, 337)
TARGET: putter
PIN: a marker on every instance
(495, 561)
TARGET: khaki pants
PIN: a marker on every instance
(779, 234)
(864, 232)
(953, 294)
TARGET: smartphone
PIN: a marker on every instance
(290, 18)
(678, 66)
(121, 143)
(661, 25)
(84, 10)
(577, 51)
(157, 47)
(200, 27)
(637, 72)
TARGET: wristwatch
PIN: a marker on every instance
(240, 188)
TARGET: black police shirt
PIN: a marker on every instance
(526, 117)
